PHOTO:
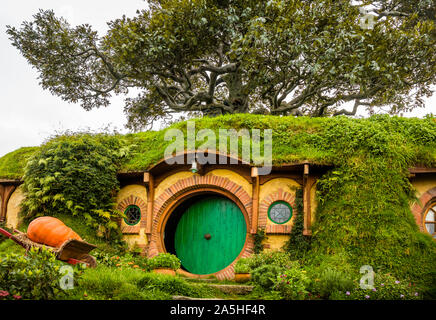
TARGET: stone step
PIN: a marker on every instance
(201, 280)
(190, 298)
(232, 289)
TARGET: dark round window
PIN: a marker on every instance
(280, 212)
(133, 215)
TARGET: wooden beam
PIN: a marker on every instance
(255, 198)
(5, 193)
(149, 182)
(306, 201)
(422, 170)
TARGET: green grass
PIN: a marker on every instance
(12, 164)
(109, 283)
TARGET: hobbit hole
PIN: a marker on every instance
(166, 204)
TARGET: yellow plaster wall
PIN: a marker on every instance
(138, 239)
(234, 177)
(133, 189)
(272, 187)
(169, 181)
(13, 208)
(140, 192)
(275, 242)
(423, 183)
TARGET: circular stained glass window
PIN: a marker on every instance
(280, 212)
(429, 220)
(133, 215)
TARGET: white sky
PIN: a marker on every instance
(29, 114)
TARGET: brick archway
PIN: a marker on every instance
(419, 207)
(280, 195)
(186, 188)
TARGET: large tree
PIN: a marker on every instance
(236, 56)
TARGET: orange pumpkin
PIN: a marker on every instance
(50, 231)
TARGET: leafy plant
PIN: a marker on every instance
(277, 258)
(298, 244)
(75, 174)
(34, 276)
(292, 284)
(330, 281)
(242, 266)
(265, 275)
(259, 237)
(164, 260)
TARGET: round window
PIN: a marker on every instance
(429, 220)
(133, 215)
(280, 212)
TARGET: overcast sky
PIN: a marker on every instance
(29, 114)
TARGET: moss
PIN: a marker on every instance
(294, 139)
(12, 164)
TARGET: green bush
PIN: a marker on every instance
(242, 266)
(34, 276)
(265, 275)
(164, 260)
(330, 281)
(292, 284)
(75, 174)
(276, 258)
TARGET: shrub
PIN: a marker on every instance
(35, 276)
(276, 258)
(164, 260)
(75, 174)
(330, 281)
(242, 266)
(266, 275)
(292, 284)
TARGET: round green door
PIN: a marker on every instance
(210, 235)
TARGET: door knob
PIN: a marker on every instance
(207, 236)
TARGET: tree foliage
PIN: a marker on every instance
(215, 57)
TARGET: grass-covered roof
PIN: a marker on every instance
(319, 140)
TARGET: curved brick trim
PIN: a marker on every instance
(163, 205)
(133, 200)
(263, 212)
(418, 208)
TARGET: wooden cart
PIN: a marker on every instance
(71, 251)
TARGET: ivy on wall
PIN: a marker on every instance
(298, 244)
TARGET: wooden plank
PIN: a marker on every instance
(74, 249)
(150, 202)
(255, 197)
